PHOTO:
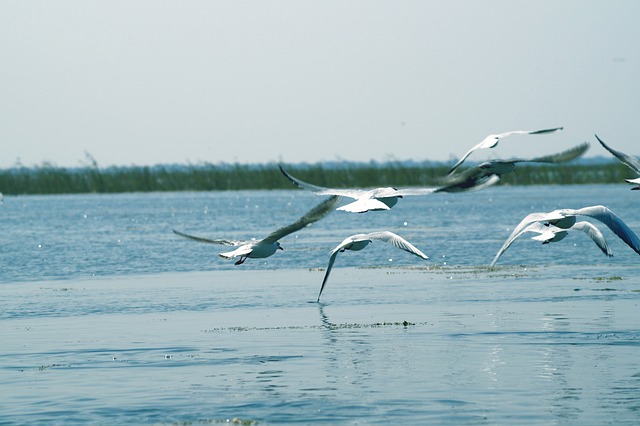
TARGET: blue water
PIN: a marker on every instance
(107, 317)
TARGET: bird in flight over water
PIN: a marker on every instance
(257, 249)
(491, 141)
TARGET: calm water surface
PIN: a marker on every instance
(107, 317)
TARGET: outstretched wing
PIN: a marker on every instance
(397, 241)
(632, 162)
(474, 180)
(313, 215)
(528, 132)
(332, 259)
(595, 234)
(211, 241)
(609, 218)
(488, 142)
(320, 190)
(414, 191)
(529, 226)
(561, 157)
(555, 215)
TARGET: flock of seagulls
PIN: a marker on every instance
(549, 226)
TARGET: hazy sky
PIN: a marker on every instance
(148, 82)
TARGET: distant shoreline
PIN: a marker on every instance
(51, 179)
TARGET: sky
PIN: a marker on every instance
(162, 82)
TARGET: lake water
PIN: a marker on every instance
(107, 317)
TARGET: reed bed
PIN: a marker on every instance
(51, 179)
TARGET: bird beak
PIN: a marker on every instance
(280, 247)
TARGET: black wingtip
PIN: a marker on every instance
(599, 140)
(287, 175)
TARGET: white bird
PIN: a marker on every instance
(492, 140)
(359, 241)
(631, 162)
(566, 218)
(551, 234)
(267, 246)
(494, 169)
(366, 199)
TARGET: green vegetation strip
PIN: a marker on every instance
(51, 179)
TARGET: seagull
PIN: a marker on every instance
(359, 241)
(492, 140)
(632, 162)
(366, 199)
(551, 234)
(566, 218)
(482, 172)
(267, 246)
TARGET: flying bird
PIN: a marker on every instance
(566, 218)
(267, 246)
(631, 162)
(474, 176)
(492, 140)
(365, 199)
(551, 234)
(359, 241)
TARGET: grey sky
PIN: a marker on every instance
(148, 82)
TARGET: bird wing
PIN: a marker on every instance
(632, 162)
(609, 218)
(595, 234)
(313, 215)
(414, 191)
(635, 181)
(486, 143)
(332, 259)
(528, 226)
(472, 179)
(211, 241)
(397, 241)
(561, 157)
(528, 132)
(363, 205)
(538, 217)
(320, 190)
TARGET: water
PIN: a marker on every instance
(107, 317)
